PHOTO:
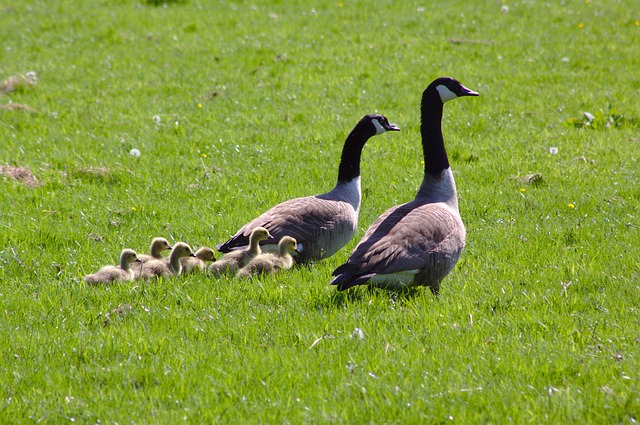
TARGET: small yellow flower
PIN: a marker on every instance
(134, 209)
(199, 105)
(571, 206)
(523, 190)
(204, 155)
(637, 23)
(580, 25)
(340, 4)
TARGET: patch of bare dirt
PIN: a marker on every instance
(20, 174)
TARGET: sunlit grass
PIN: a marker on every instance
(235, 107)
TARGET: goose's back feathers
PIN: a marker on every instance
(264, 264)
(199, 262)
(165, 267)
(158, 245)
(108, 274)
(231, 262)
(412, 244)
(268, 263)
(321, 224)
(234, 260)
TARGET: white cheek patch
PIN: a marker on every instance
(445, 94)
(379, 128)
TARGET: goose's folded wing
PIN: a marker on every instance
(406, 238)
(302, 218)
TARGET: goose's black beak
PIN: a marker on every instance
(469, 92)
(392, 127)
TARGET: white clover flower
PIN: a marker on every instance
(31, 76)
(135, 153)
(357, 333)
(553, 151)
(156, 119)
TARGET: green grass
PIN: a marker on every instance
(538, 323)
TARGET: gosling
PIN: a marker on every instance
(231, 262)
(158, 245)
(269, 263)
(199, 262)
(108, 274)
(166, 267)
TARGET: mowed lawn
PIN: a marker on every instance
(236, 106)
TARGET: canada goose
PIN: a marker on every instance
(109, 274)
(271, 263)
(157, 246)
(417, 243)
(166, 267)
(237, 259)
(321, 224)
(199, 262)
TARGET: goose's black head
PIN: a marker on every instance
(449, 88)
(380, 123)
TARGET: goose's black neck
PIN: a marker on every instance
(349, 167)
(435, 155)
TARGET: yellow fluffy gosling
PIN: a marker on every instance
(166, 267)
(271, 263)
(199, 262)
(158, 245)
(108, 274)
(235, 260)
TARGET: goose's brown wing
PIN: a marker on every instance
(407, 237)
(307, 219)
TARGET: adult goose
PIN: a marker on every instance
(108, 274)
(417, 243)
(268, 262)
(234, 260)
(321, 224)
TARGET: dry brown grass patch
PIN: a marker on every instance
(18, 83)
(21, 174)
(17, 106)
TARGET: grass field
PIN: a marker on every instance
(236, 106)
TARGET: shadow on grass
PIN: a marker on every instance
(342, 299)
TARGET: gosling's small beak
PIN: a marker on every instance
(137, 260)
(270, 236)
(192, 255)
(170, 248)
